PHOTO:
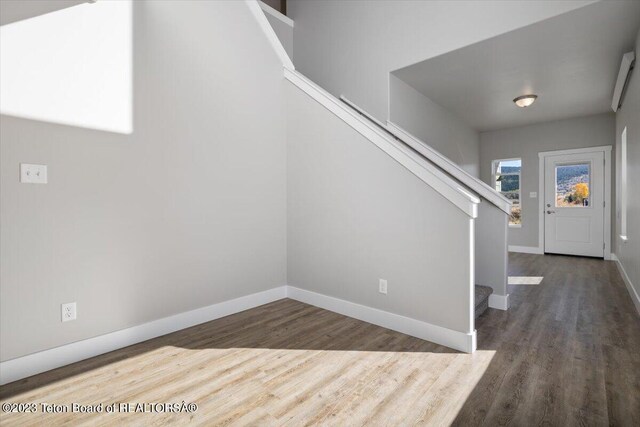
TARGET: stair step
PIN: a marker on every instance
(482, 299)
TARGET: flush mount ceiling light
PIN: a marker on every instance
(525, 100)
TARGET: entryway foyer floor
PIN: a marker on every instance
(566, 353)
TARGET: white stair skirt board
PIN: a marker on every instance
(276, 14)
(22, 367)
(475, 184)
(526, 249)
(500, 302)
(256, 9)
(454, 339)
(632, 292)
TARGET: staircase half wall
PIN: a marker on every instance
(358, 213)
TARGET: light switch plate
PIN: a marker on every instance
(533, 195)
(33, 174)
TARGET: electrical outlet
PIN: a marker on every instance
(382, 288)
(533, 194)
(68, 311)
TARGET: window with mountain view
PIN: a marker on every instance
(624, 185)
(506, 176)
(572, 185)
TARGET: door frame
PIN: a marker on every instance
(606, 149)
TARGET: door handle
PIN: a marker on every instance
(550, 212)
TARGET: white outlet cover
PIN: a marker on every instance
(382, 286)
(33, 174)
(533, 195)
(68, 311)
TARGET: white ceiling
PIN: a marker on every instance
(570, 61)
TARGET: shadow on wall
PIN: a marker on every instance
(72, 66)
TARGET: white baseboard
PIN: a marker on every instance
(632, 292)
(22, 367)
(457, 340)
(32, 364)
(501, 302)
(526, 249)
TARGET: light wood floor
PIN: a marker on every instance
(567, 353)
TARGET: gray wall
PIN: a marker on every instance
(453, 138)
(355, 216)
(526, 142)
(187, 211)
(350, 46)
(629, 115)
(434, 125)
(491, 248)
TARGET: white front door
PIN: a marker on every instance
(574, 204)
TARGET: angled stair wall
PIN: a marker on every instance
(361, 209)
(334, 178)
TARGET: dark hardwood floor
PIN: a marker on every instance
(566, 353)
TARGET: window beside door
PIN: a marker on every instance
(506, 180)
(624, 183)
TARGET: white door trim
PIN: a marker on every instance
(606, 149)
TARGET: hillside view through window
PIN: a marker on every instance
(507, 182)
(572, 185)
